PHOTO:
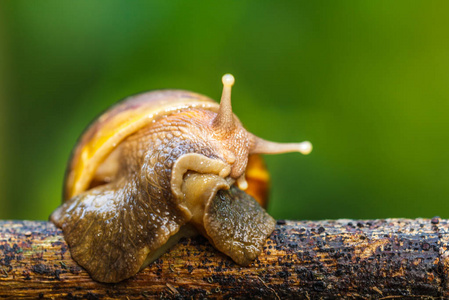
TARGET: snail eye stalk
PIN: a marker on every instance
(261, 146)
(224, 120)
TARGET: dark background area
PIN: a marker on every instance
(366, 82)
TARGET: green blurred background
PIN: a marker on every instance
(366, 81)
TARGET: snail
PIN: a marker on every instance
(159, 166)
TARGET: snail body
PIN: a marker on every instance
(155, 166)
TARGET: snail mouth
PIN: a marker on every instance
(198, 190)
(229, 218)
(193, 162)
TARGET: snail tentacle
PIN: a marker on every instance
(224, 121)
(261, 146)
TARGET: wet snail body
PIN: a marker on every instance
(157, 165)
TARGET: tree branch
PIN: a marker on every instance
(301, 259)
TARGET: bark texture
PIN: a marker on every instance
(392, 258)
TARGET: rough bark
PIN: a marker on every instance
(391, 258)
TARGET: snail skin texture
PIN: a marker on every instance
(159, 166)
